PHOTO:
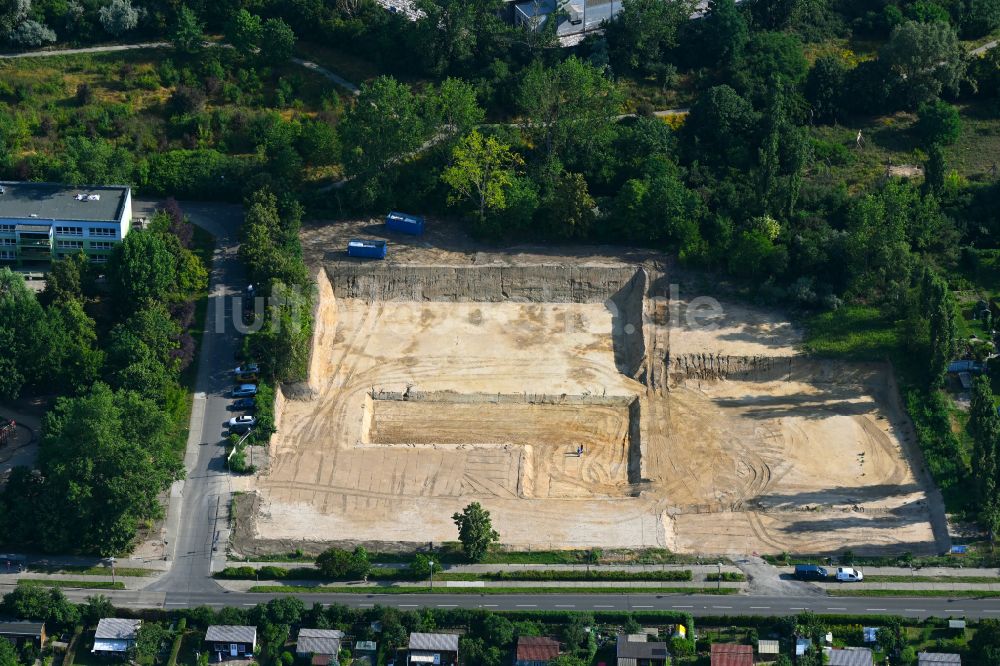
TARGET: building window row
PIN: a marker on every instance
(8, 241)
(6, 254)
(6, 228)
(69, 244)
(101, 245)
(69, 231)
(95, 231)
(99, 259)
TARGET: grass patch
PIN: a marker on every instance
(965, 594)
(91, 571)
(726, 577)
(932, 579)
(295, 589)
(854, 332)
(87, 584)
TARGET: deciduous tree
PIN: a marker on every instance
(277, 41)
(926, 60)
(118, 17)
(938, 122)
(475, 531)
(482, 170)
(141, 269)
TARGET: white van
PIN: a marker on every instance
(849, 575)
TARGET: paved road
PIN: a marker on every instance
(199, 505)
(699, 605)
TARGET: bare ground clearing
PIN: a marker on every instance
(449, 375)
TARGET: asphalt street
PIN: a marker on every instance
(699, 605)
(199, 504)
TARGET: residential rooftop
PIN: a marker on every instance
(52, 201)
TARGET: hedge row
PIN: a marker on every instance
(592, 574)
(303, 573)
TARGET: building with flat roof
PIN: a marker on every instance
(19, 632)
(40, 222)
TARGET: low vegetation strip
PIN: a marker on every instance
(965, 594)
(93, 571)
(875, 578)
(331, 589)
(303, 573)
(726, 576)
(88, 584)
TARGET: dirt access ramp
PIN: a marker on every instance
(453, 374)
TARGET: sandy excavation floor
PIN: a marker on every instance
(419, 407)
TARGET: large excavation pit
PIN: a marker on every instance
(431, 387)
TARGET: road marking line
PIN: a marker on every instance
(682, 606)
(489, 605)
(841, 608)
(447, 605)
(761, 607)
(249, 604)
(600, 606)
(798, 608)
(175, 603)
(914, 610)
(875, 609)
(565, 606)
(721, 606)
(407, 605)
(527, 605)
(637, 606)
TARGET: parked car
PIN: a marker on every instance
(247, 369)
(849, 575)
(246, 378)
(241, 423)
(244, 391)
(811, 572)
(244, 404)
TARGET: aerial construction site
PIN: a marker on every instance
(584, 403)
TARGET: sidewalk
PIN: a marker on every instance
(245, 585)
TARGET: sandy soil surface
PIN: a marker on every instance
(417, 408)
(730, 329)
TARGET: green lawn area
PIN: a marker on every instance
(91, 571)
(964, 594)
(891, 138)
(86, 584)
(855, 332)
(932, 579)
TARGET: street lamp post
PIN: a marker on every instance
(112, 561)
(431, 562)
(719, 587)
